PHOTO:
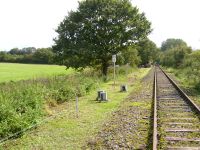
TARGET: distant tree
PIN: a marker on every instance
(2, 56)
(172, 43)
(28, 50)
(174, 52)
(97, 30)
(15, 51)
(43, 55)
(28, 55)
(148, 51)
(130, 56)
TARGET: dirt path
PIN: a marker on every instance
(130, 126)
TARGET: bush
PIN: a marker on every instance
(21, 107)
(23, 102)
(197, 86)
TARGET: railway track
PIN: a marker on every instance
(176, 117)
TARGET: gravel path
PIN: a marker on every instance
(130, 126)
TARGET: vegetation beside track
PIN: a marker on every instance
(24, 103)
(188, 81)
(67, 131)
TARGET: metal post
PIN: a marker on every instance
(114, 60)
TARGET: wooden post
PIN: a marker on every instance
(77, 106)
(114, 74)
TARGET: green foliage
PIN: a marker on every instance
(174, 52)
(96, 31)
(28, 55)
(22, 103)
(192, 67)
(172, 43)
(129, 56)
(43, 55)
(148, 51)
(92, 115)
(189, 72)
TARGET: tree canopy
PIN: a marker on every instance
(94, 32)
(148, 51)
(174, 52)
(28, 55)
(172, 43)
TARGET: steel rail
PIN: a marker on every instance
(182, 93)
(155, 132)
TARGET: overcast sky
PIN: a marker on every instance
(31, 23)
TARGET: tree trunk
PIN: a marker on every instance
(105, 68)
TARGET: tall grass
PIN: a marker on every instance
(22, 103)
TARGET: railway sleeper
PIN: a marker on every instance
(161, 92)
(172, 101)
(173, 104)
(181, 130)
(179, 119)
(176, 110)
(169, 97)
(183, 148)
(181, 125)
(172, 114)
(182, 139)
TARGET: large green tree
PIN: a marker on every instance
(98, 29)
(148, 51)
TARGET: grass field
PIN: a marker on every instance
(15, 72)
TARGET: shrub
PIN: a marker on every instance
(23, 102)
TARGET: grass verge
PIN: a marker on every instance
(186, 82)
(66, 131)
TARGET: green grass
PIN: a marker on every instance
(68, 132)
(16, 72)
(187, 81)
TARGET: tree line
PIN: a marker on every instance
(28, 55)
(177, 54)
(90, 35)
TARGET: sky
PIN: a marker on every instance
(32, 23)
